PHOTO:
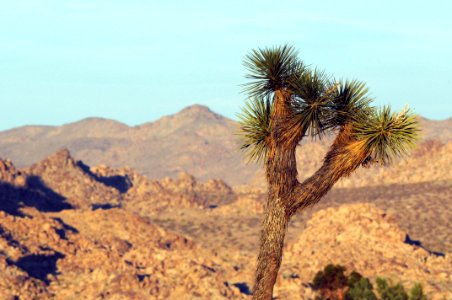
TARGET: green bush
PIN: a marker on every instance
(332, 283)
(390, 292)
(361, 289)
(353, 278)
(416, 292)
(332, 278)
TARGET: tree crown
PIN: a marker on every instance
(317, 104)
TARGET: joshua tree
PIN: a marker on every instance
(288, 101)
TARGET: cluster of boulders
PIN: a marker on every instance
(70, 231)
(364, 238)
(109, 254)
(183, 192)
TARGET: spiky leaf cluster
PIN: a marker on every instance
(317, 104)
(271, 69)
(350, 103)
(387, 134)
(255, 127)
(311, 102)
(321, 104)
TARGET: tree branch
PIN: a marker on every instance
(345, 155)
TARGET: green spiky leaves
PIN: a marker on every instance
(312, 104)
(350, 103)
(271, 69)
(387, 134)
(255, 127)
(320, 104)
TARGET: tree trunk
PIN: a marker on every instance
(286, 195)
(271, 247)
(281, 171)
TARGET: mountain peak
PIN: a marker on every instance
(198, 110)
(92, 123)
(60, 160)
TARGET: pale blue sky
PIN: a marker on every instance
(135, 61)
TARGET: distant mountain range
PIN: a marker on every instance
(195, 140)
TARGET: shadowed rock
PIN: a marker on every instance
(34, 194)
(39, 266)
(119, 182)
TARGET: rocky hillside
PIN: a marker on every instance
(71, 231)
(73, 180)
(103, 254)
(364, 238)
(195, 140)
(66, 233)
(60, 182)
(18, 189)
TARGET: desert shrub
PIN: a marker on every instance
(416, 292)
(330, 282)
(360, 290)
(332, 277)
(333, 284)
(390, 292)
(354, 277)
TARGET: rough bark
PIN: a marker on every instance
(271, 246)
(286, 195)
(281, 171)
(344, 157)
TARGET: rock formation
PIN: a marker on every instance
(364, 238)
(73, 180)
(70, 231)
(110, 254)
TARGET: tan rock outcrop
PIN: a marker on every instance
(364, 238)
(184, 192)
(73, 181)
(103, 253)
